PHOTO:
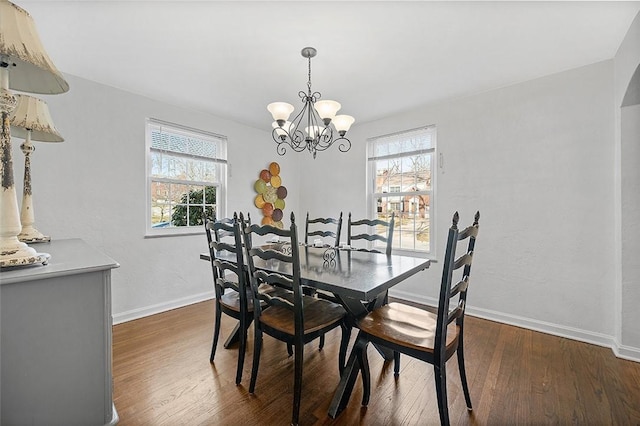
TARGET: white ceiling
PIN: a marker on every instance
(231, 58)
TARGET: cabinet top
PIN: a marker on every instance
(68, 257)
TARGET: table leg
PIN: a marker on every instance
(345, 387)
(382, 299)
(234, 337)
(355, 309)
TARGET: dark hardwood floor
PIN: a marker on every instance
(162, 376)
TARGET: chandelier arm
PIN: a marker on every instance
(286, 140)
(314, 117)
(296, 124)
(319, 131)
(344, 145)
(298, 141)
(325, 139)
(310, 123)
(280, 141)
(281, 149)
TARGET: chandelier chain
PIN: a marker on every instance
(309, 82)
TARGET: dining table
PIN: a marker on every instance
(359, 280)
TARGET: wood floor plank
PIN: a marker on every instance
(162, 376)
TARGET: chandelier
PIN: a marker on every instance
(314, 126)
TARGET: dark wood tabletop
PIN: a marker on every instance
(348, 273)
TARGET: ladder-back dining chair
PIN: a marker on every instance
(295, 319)
(332, 228)
(423, 334)
(382, 231)
(225, 235)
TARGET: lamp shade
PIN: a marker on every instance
(30, 68)
(343, 122)
(327, 109)
(280, 110)
(32, 114)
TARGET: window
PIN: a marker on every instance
(401, 182)
(186, 170)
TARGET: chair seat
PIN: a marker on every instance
(318, 314)
(406, 326)
(326, 295)
(231, 299)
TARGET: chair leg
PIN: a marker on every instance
(463, 374)
(289, 349)
(244, 324)
(216, 331)
(363, 361)
(257, 347)
(396, 363)
(321, 345)
(440, 375)
(297, 381)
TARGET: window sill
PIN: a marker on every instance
(418, 254)
(175, 232)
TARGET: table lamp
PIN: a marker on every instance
(31, 121)
(24, 66)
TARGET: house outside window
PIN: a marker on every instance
(401, 181)
(186, 178)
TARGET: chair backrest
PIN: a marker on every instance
(225, 235)
(449, 288)
(223, 232)
(289, 264)
(383, 231)
(314, 230)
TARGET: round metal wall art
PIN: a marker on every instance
(271, 195)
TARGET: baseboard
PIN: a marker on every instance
(162, 307)
(114, 416)
(624, 352)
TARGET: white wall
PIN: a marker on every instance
(630, 183)
(535, 158)
(627, 192)
(92, 186)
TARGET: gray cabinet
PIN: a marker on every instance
(55, 323)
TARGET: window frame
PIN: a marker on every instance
(372, 196)
(220, 183)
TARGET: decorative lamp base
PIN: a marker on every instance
(7, 261)
(34, 240)
(32, 235)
